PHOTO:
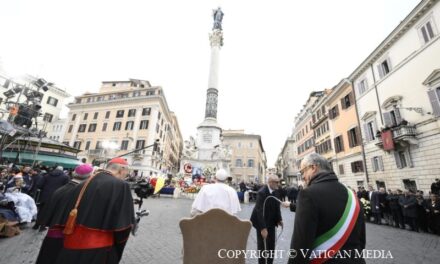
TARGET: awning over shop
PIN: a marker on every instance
(43, 159)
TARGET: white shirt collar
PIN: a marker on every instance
(270, 190)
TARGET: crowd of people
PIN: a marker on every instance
(78, 230)
(402, 209)
(28, 188)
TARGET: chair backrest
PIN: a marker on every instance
(208, 233)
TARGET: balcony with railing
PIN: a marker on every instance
(95, 152)
(402, 135)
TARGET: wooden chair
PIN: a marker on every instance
(206, 234)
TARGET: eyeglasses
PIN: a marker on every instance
(305, 168)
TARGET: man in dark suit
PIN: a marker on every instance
(266, 216)
(409, 208)
(320, 208)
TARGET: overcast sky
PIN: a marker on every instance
(275, 51)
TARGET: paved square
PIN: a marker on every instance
(159, 239)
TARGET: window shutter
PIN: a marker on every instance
(390, 67)
(379, 69)
(387, 119)
(373, 164)
(434, 102)
(357, 130)
(337, 110)
(342, 103)
(408, 158)
(397, 158)
(350, 141)
(367, 133)
(352, 167)
(380, 163)
(351, 98)
(360, 88)
(398, 116)
(342, 142)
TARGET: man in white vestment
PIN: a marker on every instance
(217, 195)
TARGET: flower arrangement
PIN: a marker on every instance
(192, 189)
(366, 206)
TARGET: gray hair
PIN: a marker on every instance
(318, 160)
(115, 166)
(59, 168)
(81, 177)
(272, 177)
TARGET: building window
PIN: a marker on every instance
(98, 145)
(104, 127)
(117, 126)
(392, 118)
(159, 115)
(95, 116)
(82, 128)
(339, 144)
(238, 163)
(377, 163)
(140, 144)
(87, 145)
(92, 128)
(333, 112)
(403, 159)
(120, 113)
(362, 86)
(99, 98)
(47, 117)
(129, 125)
(85, 116)
(410, 185)
(146, 111)
(143, 124)
(250, 163)
(341, 169)
(107, 114)
(427, 31)
(384, 67)
(251, 145)
(131, 112)
(357, 166)
(347, 101)
(369, 129)
(354, 137)
(124, 145)
(150, 92)
(52, 101)
(73, 117)
(70, 129)
(77, 144)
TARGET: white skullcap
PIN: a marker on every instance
(221, 175)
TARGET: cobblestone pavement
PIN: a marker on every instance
(159, 239)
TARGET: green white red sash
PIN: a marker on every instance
(329, 243)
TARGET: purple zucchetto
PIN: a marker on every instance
(83, 170)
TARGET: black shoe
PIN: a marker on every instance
(42, 228)
(35, 227)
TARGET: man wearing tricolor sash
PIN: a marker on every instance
(329, 225)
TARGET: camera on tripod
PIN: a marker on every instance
(143, 189)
